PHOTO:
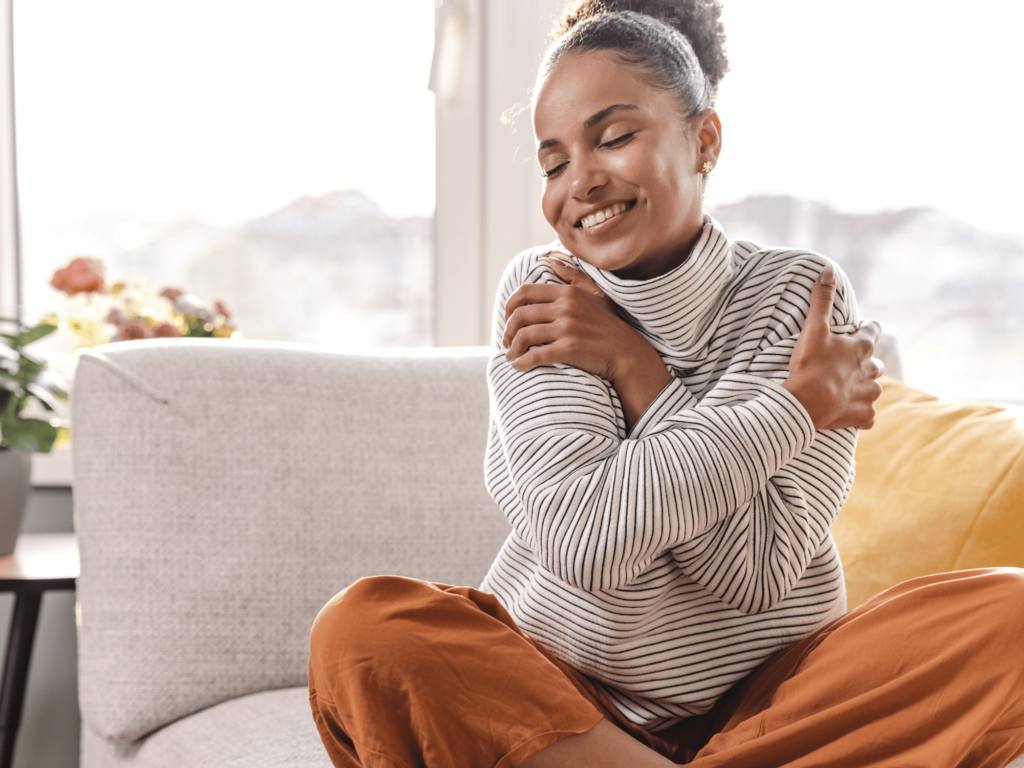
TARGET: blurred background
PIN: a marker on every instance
(289, 159)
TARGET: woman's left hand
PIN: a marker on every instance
(578, 325)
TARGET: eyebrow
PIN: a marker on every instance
(590, 122)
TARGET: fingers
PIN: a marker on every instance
(872, 329)
(524, 317)
(574, 276)
(876, 368)
(555, 351)
(533, 293)
(563, 270)
(823, 294)
(860, 414)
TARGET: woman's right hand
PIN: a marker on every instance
(834, 376)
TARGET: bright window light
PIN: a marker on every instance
(278, 156)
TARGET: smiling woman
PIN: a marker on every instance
(673, 420)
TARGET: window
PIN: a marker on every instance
(881, 134)
(278, 156)
(886, 135)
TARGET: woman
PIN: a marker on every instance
(673, 424)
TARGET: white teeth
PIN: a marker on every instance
(597, 218)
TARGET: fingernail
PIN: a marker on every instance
(827, 276)
(514, 364)
(550, 259)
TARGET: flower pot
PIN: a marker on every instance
(14, 477)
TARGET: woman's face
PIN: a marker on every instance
(622, 186)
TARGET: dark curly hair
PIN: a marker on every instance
(676, 45)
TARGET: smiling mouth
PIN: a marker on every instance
(599, 217)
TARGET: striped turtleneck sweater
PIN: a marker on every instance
(669, 560)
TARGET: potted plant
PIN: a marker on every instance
(22, 379)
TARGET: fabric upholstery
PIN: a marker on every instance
(939, 487)
(226, 490)
(272, 728)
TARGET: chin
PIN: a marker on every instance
(611, 257)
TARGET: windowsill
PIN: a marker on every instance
(53, 469)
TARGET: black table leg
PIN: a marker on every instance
(19, 654)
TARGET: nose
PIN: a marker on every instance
(587, 178)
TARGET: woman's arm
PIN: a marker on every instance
(597, 508)
(576, 324)
(834, 376)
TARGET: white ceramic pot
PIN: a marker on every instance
(14, 477)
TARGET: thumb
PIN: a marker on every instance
(562, 270)
(574, 276)
(823, 294)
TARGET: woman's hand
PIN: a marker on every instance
(834, 375)
(577, 325)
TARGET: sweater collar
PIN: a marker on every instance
(680, 310)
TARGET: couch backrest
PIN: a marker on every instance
(224, 491)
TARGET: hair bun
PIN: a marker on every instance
(699, 20)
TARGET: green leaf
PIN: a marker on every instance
(30, 367)
(32, 334)
(27, 435)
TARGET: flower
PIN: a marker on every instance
(129, 310)
(132, 330)
(81, 275)
(172, 293)
(166, 331)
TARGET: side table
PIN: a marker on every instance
(41, 562)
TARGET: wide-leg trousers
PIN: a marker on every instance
(930, 673)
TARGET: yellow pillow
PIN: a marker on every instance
(939, 487)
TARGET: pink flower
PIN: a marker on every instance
(222, 308)
(82, 275)
(165, 331)
(172, 293)
(132, 330)
(114, 316)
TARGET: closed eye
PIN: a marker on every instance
(619, 141)
(547, 174)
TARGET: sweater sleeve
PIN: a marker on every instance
(717, 482)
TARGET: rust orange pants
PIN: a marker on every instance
(404, 673)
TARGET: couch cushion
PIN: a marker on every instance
(939, 487)
(273, 728)
(225, 490)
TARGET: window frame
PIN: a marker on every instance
(488, 185)
(10, 282)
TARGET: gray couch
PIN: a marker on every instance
(223, 492)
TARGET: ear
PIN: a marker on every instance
(709, 137)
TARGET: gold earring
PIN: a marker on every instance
(708, 167)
